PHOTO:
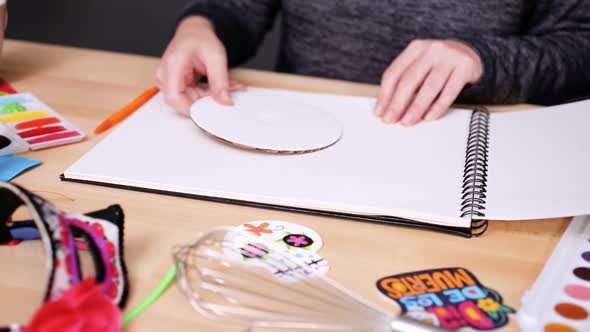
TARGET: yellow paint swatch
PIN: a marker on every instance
(23, 116)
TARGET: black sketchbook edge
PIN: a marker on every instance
(461, 231)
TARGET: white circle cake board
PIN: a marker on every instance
(267, 122)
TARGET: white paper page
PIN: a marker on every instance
(539, 163)
(375, 169)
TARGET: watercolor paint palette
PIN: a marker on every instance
(559, 300)
(26, 123)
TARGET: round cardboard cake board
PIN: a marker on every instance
(270, 123)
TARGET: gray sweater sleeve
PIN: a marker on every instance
(548, 63)
(240, 24)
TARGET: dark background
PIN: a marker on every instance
(129, 26)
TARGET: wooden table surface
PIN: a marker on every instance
(85, 86)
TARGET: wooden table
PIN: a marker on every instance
(86, 85)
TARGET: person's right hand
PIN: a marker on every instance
(194, 52)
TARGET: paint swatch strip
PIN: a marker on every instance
(30, 119)
(559, 301)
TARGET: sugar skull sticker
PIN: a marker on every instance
(299, 241)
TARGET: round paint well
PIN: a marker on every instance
(586, 256)
(4, 141)
(577, 292)
(558, 327)
(582, 273)
(571, 311)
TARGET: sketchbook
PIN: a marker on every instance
(453, 174)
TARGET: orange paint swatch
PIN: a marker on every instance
(37, 123)
(558, 327)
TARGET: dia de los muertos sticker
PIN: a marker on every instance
(452, 298)
(300, 241)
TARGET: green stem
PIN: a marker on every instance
(156, 293)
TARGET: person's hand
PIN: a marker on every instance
(3, 22)
(194, 52)
(425, 79)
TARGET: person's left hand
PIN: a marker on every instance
(3, 22)
(425, 79)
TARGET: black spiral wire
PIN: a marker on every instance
(475, 173)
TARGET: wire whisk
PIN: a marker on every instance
(231, 276)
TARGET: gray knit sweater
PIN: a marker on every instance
(534, 51)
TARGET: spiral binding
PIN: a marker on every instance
(475, 173)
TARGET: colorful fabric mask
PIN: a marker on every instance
(100, 232)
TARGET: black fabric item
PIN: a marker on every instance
(8, 204)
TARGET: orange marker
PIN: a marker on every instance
(126, 111)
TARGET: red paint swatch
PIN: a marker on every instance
(5, 87)
(53, 137)
(41, 131)
(571, 311)
(36, 123)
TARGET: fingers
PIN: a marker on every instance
(424, 81)
(205, 91)
(174, 77)
(412, 78)
(448, 95)
(236, 86)
(179, 84)
(391, 77)
(4, 17)
(194, 51)
(217, 75)
(428, 92)
(195, 93)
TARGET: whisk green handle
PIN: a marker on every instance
(405, 324)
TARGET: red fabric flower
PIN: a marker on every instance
(82, 308)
